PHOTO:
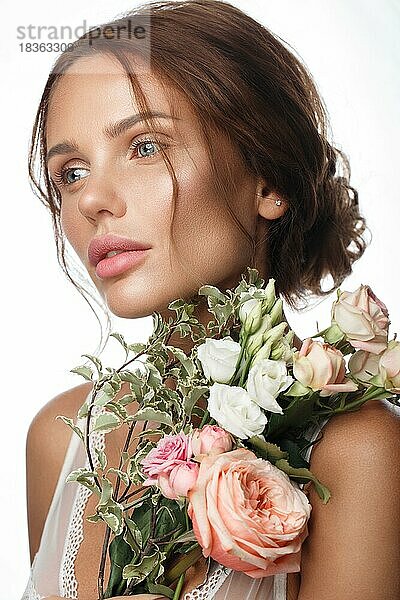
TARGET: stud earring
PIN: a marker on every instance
(278, 202)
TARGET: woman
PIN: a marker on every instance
(201, 140)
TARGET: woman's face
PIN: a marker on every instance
(112, 187)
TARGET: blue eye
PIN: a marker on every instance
(147, 145)
(62, 177)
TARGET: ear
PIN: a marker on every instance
(270, 205)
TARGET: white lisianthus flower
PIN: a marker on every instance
(218, 358)
(265, 381)
(234, 410)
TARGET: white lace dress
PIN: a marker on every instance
(53, 568)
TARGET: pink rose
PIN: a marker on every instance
(321, 367)
(171, 450)
(363, 318)
(179, 480)
(248, 515)
(211, 440)
(389, 367)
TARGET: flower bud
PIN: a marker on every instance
(255, 341)
(211, 440)
(275, 334)
(262, 353)
(250, 314)
(282, 351)
(277, 312)
(270, 295)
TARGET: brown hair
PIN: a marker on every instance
(242, 81)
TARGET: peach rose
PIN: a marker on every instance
(363, 318)
(321, 367)
(248, 515)
(389, 367)
(364, 365)
(211, 439)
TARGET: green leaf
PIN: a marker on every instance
(104, 395)
(302, 476)
(101, 457)
(187, 536)
(137, 347)
(72, 425)
(213, 292)
(95, 361)
(193, 397)
(106, 491)
(151, 414)
(120, 555)
(133, 535)
(81, 472)
(120, 474)
(94, 518)
(142, 518)
(106, 422)
(85, 477)
(169, 516)
(83, 370)
(120, 338)
(294, 453)
(112, 513)
(267, 450)
(296, 414)
(112, 521)
(161, 589)
(117, 409)
(84, 410)
(139, 572)
(127, 399)
(131, 377)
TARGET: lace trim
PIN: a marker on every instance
(211, 584)
(67, 579)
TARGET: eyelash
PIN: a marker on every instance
(59, 176)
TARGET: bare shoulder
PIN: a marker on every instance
(357, 459)
(46, 445)
(370, 433)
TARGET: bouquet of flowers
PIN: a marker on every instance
(219, 432)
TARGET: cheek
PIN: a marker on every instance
(204, 232)
(75, 229)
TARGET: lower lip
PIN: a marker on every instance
(115, 265)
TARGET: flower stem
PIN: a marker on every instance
(181, 567)
(178, 588)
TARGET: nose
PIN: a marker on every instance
(100, 197)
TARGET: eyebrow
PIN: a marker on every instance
(111, 131)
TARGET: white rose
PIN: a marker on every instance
(235, 411)
(218, 358)
(266, 380)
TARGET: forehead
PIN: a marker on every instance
(96, 90)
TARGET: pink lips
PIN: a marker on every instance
(130, 254)
(110, 267)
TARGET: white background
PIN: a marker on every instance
(352, 49)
